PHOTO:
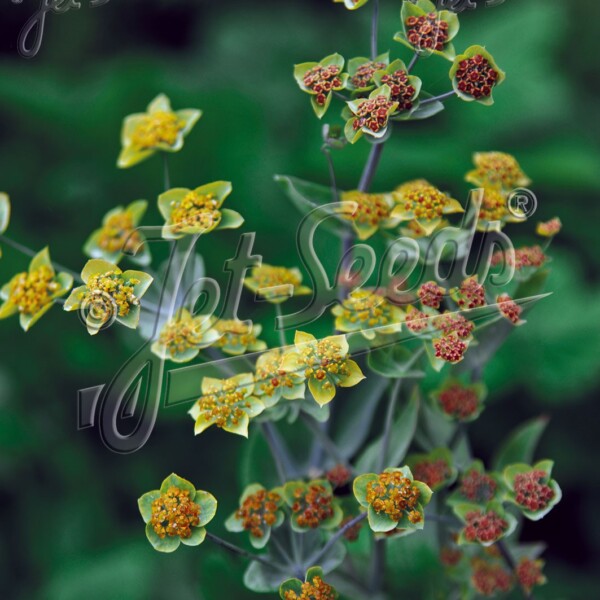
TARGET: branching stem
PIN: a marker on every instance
(241, 552)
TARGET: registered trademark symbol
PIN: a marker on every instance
(522, 203)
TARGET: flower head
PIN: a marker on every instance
(259, 511)
(312, 505)
(526, 257)
(324, 363)
(426, 30)
(32, 294)
(320, 80)
(497, 170)
(530, 573)
(276, 284)
(183, 336)
(431, 294)
(314, 586)
(459, 402)
(197, 211)
(227, 403)
(422, 202)
(361, 71)
(370, 115)
(393, 499)
(176, 513)
(158, 129)
(404, 88)
(475, 74)
(4, 214)
(272, 383)
(484, 525)
(416, 321)
(119, 235)
(470, 294)
(477, 487)
(509, 309)
(490, 578)
(449, 323)
(370, 313)
(339, 476)
(449, 348)
(434, 469)
(549, 228)
(532, 489)
(367, 212)
(108, 294)
(238, 337)
(494, 212)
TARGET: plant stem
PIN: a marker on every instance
(327, 443)
(440, 98)
(315, 560)
(389, 419)
(332, 179)
(374, 29)
(413, 62)
(237, 550)
(369, 171)
(276, 450)
(512, 565)
(31, 253)
(377, 570)
(167, 178)
(282, 340)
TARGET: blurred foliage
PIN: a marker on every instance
(69, 519)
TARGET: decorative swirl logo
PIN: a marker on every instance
(98, 311)
(36, 23)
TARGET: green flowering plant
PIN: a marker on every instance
(475, 74)
(159, 129)
(118, 234)
(183, 336)
(320, 80)
(314, 585)
(197, 211)
(227, 403)
(394, 500)
(338, 409)
(32, 294)
(361, 72)
(177, 513)
(108, 294)
(427, 30)
(532, 489)
(484, 525)
(260, 510)
(312, 505)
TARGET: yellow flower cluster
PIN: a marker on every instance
(224, 406)
(311, 590)
(367, 307)
(196, 210)
(235, 333)
(497, 169)
(395, 495)
(180, 334)
(421, 198)
(267, 276)
(371, 209)
(174, 514)
(269, 376)
(30, 292)
(119, 289)
(493, 205)
(156, 128)
(118, 234)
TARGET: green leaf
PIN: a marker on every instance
(307, 196)
(4, 211)
(520, 446)
(402, 433)
(263, 579)
(392, 362)
(352, 425)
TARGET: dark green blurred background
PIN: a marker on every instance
(68, 515)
